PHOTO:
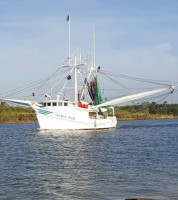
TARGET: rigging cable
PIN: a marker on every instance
(117, 82)
(29, 86)
(137, 79)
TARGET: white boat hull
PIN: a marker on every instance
(71, 120)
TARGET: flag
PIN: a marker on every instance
(67, 18)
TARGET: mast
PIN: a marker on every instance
(76, 88)
(93, 64)
(68, 20)
(75, 64)
(94, 47)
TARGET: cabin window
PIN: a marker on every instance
(65, 104)
(44, 104)
(54, 104)
(49, 104)
(60, 104)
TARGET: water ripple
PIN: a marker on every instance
(137, 159)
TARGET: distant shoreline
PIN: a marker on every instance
(11, 115)
(132, 119)
(18, 122)
(120, 119)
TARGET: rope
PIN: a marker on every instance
(29, 86)
(117, 82)
(136, 79)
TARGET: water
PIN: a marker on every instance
(137, 159)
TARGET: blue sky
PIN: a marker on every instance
(133, 37)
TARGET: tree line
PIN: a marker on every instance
(145, 110)
(153, 108)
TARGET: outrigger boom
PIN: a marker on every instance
(135, 96)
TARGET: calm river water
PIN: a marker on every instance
(137, 159)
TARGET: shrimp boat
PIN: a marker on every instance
(87, 110)
(78, 104)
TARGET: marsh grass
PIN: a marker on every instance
(11, 114)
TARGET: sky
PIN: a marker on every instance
(133, 37)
